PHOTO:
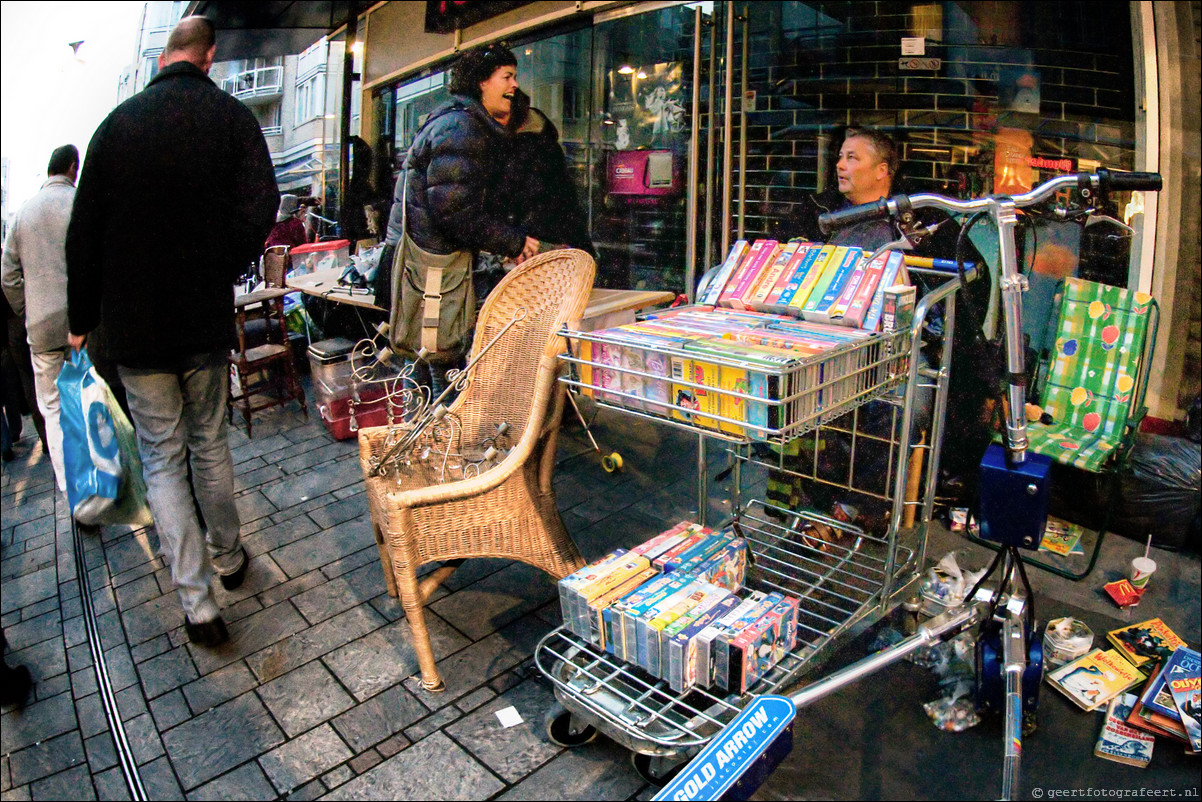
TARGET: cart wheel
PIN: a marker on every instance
(563, 730)
(612, 463)
(658, 771)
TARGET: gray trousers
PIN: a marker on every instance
(46, 367)
(176, 412)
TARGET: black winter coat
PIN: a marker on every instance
(454, 168)
(541, 196)
(804, 223)
(176, 197)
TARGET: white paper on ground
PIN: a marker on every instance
(509, 717)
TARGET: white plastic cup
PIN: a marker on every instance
(1142, 569)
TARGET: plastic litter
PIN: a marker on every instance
(946, 583)
(1065, 640)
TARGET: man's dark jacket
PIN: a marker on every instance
(453, 170)
(176, 197)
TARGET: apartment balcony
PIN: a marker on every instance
(256, 87)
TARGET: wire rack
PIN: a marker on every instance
(805, 394)
(838, 586)
(845, 581)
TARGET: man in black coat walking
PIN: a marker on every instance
(176, 197)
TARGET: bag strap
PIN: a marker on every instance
(431, 308)
(432, 291)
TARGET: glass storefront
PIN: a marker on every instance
(988, 97)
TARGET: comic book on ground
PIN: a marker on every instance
(1149, 712)
(1147, 641)
(1185, 686)
(1094, 679)
(1061, 537)
(1118, 740)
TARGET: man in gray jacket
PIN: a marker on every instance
(35, 282)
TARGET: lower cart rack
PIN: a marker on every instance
(841, 588)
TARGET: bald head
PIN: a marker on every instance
(192, 40)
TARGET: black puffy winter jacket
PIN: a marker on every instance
(453, 170)
(540, 196)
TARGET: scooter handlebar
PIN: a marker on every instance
(1108, 180)
(875, 210)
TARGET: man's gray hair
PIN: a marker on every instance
(882, 143)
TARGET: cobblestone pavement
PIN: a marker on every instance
(316, 694)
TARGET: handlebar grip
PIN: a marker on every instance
(1108, 180)
(876, 210)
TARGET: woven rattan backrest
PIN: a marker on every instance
(275, 265)
(553, 289)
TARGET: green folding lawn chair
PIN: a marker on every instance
(1093, 383)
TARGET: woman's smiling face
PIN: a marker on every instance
(496, 94)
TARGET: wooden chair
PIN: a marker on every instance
(265, 371)
(276, 262)
(509, 510)
(1093, 385)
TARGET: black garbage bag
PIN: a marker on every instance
(1160, 491)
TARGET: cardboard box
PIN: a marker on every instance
(608, 578)
(814, 274)
(761, 251)
(714, 290)
(570, 584)
(727, 568)
(614, 615)
(598, 634)
(861, 302)
(894, 272)
(731, 629)
(683, 658)
(838, 271)
(694, 595)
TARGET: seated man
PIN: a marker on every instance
(865, 172)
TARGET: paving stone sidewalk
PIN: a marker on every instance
(316, 694)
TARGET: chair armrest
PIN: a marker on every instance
(490, 479)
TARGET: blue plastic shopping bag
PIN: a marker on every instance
(100, 457)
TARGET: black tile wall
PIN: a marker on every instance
(844, 71)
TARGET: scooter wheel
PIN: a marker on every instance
(655, 770)
(563, 731)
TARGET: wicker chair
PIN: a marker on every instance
(509, 510)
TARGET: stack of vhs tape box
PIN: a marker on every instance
(781, 334)
(675, 606)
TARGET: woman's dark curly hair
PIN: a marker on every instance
(476, 66)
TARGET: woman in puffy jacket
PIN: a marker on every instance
(451, 181)
(455, 164)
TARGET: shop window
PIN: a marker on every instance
(1005, 96)
(642, 84)
(413, 103)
